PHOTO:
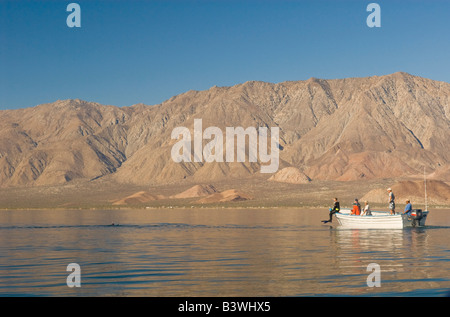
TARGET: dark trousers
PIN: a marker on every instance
(332, 212)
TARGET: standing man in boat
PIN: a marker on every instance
(335, 209)
(391, 201)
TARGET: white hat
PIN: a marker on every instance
(389, 188)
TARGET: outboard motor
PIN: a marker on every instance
(416, 216)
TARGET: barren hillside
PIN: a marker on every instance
(340, 129)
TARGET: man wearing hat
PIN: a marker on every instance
(391, 201)
(408, 207)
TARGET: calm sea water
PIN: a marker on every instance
(218, 252)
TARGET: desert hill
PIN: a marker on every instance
(225, 196)
(138, 198)
(291, 175)
(206, 193)
(340, 129)
(196, 191)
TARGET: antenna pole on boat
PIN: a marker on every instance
(425, 185)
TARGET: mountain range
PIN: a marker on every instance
(349, 129)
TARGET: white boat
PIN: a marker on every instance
(382, 220)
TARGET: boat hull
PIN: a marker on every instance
(380, 220)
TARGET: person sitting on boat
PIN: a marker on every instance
(335, 209)
(408, 208)
(366, 211)
(356, 208)
(391, 201)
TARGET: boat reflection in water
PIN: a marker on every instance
(404, 256)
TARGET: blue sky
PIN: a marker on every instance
(128, 52)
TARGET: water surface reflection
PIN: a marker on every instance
(215, 253)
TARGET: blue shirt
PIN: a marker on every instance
(408, 208)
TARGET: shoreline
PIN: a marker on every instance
(206, 207)
(249, 193)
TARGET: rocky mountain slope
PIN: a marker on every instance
(340, 129)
